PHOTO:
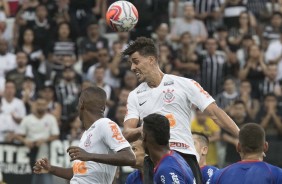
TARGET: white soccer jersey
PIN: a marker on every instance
(103, 137)
(173, 98)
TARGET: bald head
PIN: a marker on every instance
(93, 99)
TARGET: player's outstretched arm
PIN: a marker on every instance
(43, 166)
(124, 157)
(222, 119)
(130, 132)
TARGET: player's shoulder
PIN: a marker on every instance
(141, 88)
(133, 177)
(273, 168)
(173, 79)
(103, 121)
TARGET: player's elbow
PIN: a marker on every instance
(130, 159)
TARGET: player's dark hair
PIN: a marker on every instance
(94, 98)
(203, 137)
(10, 81)
(252, 138)
(144, 46)
(157, 126)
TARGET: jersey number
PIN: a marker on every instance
(171, 119)
(79, 167)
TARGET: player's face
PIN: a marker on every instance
(140, 65)
(139, 153)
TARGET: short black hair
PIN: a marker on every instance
(10, 81)
(203, 137)
(252, 138)
(145, 47)
(158, 127)
(94, 98)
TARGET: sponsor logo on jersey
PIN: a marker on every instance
(169, 96)
(88, 142)
(116, 133)
(142, 103)
(174, 178)
(141, 91)
(79, 167)
(179, 145)
(168, 83)
(163, 179)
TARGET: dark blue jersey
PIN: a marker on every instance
(134, 178)
(172, 168)
(207, 172)
(248, 172)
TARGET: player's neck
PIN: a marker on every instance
(158, 153)
(88, 122)
(155, 79)
(202, 162)
(252, 157)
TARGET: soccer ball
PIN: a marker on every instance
(122, 16)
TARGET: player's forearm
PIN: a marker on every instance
(123, 158)
(225, 122)
(65, 173)
(132, 134)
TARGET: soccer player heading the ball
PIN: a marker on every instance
(171, 96)
(102, 146)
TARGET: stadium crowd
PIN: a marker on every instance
(50, 50)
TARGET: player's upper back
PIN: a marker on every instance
(134, 178)
(250, 172)
(207, 172)
(172, 168)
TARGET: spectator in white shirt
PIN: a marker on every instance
(188, 23)
(12, 108)
(7, 60)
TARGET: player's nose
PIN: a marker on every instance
(133, 67)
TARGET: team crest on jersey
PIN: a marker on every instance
(169, 96)
(88, 142)
(168, 83)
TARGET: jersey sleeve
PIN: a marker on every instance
(132, 107)
(197, 95)
(113, 137)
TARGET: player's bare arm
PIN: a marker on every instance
(124, 157)
(222, 119)
(43, 166)
(131, 132)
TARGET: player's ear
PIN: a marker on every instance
(152, 59)
(265, 147)
(204, 150)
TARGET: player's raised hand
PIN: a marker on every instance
(76, 153)
(42, 166)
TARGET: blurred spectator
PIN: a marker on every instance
(61, 12)
(258, 9)
(81, 12)
(205, 125)
(221, 35)
(165, 58)
(212, 67)
(269, 84)
(245, 27)
(252, 104)
(104, 61)
(4, 8)
(54, 108)
(130, 81)
(226, 98)
(42, 29)
(36, 131)
(186, 57)
(272, 31)
(34, 53)
(51, 6)
(231, 10)
(232, 66)
(123, 39)
(7, 59)
(28, 93)
(67, 91)
(274, 54)
(254, 69)
(90, 45)
(270, 118)
(122, 100)
(99, 77)
(240, 117)
(12, 108)
(76, 129)
(243, 51)
(120, 114)
(63, 45)
(23, 70)
(86, 84)
(160, 35)
(188, 23)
